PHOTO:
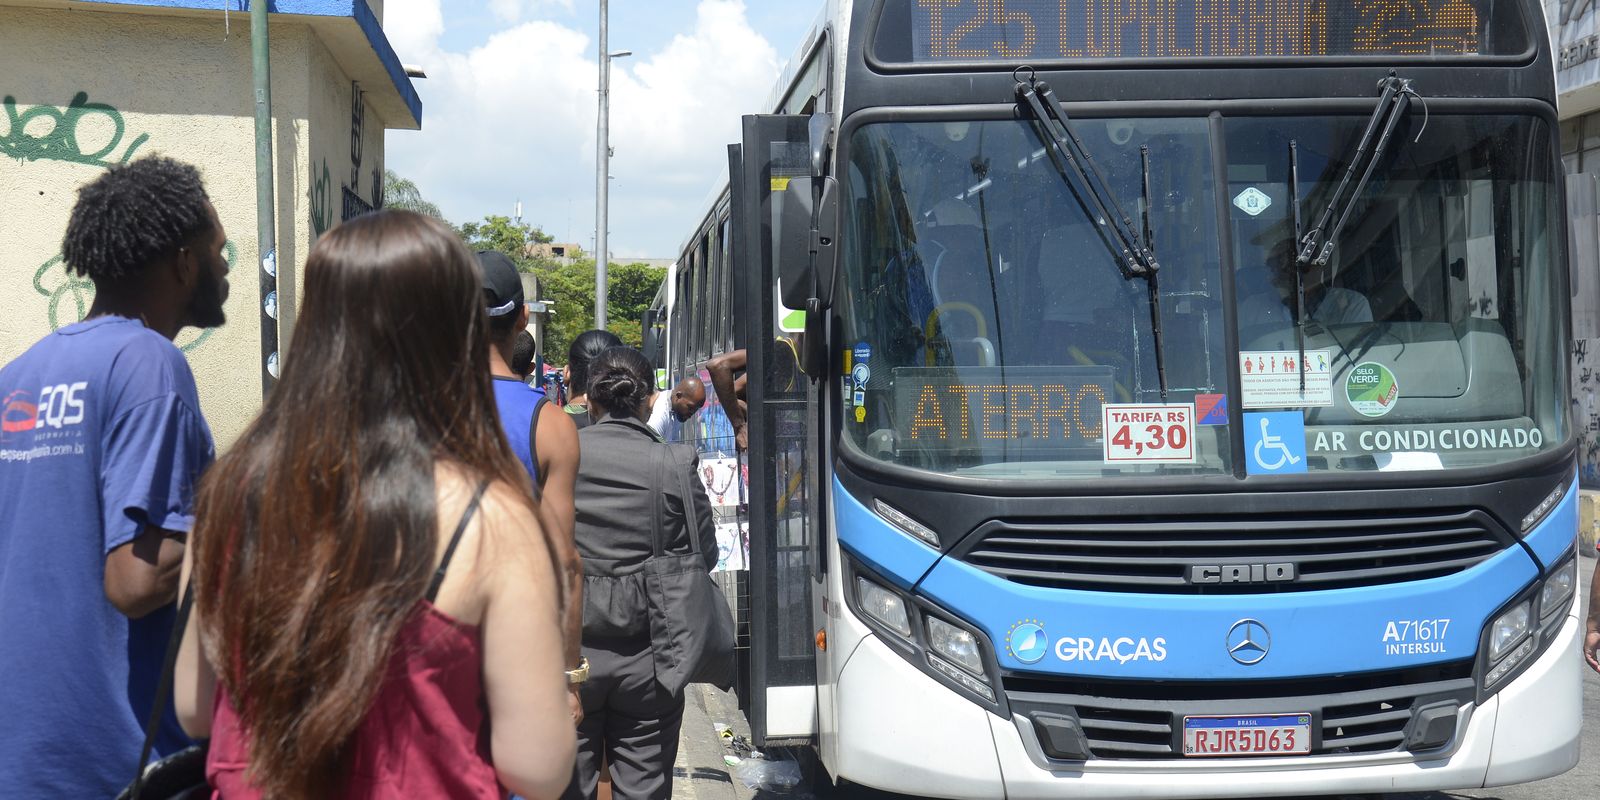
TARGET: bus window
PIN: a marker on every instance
(996, 320)
(715, 303)
(1428, 318)
(725, 287)
(702, 321)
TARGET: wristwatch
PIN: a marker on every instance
(580, 674)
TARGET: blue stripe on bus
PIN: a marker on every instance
(1116, 635)
(889, 551)
(1553, 538)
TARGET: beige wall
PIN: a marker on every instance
(179, 86)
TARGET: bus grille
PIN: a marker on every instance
(1359, 714)
(1156, 555)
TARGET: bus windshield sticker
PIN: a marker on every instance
(1252, 201)
(1271, 378)
(1211, 409)
(1036, 410)
(1275, 443)
(1149, 433)
(1430, 438)
(1371, 389)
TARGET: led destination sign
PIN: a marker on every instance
(1019, 30)
(1048, 408)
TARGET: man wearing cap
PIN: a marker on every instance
(544, 439)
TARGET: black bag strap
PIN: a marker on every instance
(658, 548)
(533, 436)
(691, 518)
(455, 539)
(164, 685)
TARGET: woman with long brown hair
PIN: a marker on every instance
(373, 588)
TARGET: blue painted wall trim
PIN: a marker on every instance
(357, 10)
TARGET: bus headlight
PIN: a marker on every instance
(955, 644)
(1557, 591)
(1509, 629)
(1511, 642)
(1545, 506)
(884, 606)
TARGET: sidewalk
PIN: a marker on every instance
(700, 772)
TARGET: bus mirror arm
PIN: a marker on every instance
(819, 131)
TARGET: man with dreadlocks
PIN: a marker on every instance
(101, 444)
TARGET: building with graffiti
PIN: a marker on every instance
(92, 83)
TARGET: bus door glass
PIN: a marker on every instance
(783, 484)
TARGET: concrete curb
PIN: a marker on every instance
(700, 773)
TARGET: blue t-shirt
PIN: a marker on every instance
(100, 436)
(516, 401)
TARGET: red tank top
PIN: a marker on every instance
(426, 735)
(427, 732)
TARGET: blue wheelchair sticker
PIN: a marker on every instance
(1274, 442)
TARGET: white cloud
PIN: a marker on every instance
(514, 117)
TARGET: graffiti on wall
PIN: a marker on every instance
(321, 205)
(352, 204)
(1586, 412)
(71, 296)
(79, 133)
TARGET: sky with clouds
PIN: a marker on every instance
(510, 103)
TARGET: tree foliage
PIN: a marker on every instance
(403, 193)
(501, 233)
(630, 290)
(570, 285)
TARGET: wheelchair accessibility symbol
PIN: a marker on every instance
(1275, 443)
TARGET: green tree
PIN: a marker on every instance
(630, 290)
(501, 233)
(403, 193)
(570, 285)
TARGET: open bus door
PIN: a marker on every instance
(779, 693)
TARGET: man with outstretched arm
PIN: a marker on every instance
(730, 392)
(545, 440)
(101, 445)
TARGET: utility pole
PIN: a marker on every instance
(602, 178)
(266, 230)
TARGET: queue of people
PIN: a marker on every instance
(435, 585)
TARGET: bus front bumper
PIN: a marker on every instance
(899, 730)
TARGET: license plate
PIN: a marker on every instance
(1269, 735)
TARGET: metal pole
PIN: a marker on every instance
(602, 177)
(266, 233)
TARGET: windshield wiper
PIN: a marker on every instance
(1393, 102)
(1132, 253)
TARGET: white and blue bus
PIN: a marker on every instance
(1152, 398)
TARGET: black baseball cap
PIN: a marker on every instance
(502, 286)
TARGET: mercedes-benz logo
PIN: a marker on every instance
(1248, 641)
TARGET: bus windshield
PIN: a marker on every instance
(990, 332)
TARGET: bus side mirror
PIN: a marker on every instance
(808, 230)
(651, 346)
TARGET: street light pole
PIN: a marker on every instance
(266, 227)
(602, 178)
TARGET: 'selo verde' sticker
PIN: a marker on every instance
(1372, 389)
